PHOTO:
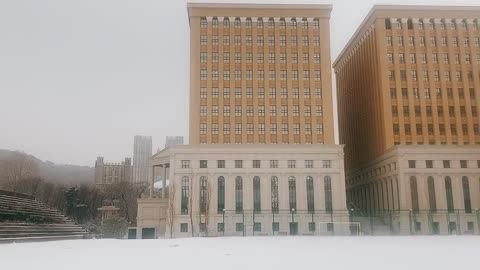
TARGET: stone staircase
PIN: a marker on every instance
(22, 218)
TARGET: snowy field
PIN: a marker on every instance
(292, 253)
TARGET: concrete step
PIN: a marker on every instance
(40, 238)
(36, 234)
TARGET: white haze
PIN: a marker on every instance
(79, 79)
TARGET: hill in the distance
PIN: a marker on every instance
(55, 173)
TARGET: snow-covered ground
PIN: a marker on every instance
(276, 253)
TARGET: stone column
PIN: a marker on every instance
(152, 180)
(164, 179)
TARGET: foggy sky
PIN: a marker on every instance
(78, 79)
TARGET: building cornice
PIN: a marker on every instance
(405, 11)
(258, 10)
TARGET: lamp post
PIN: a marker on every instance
(478, 219)
(223, 221)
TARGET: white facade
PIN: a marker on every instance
(412, 183)
(142, 151)
(288, 165)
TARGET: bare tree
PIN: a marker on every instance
(206, 202)
(17, 167)
(190, 207)
(171, 204)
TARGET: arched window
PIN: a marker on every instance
(185, 192)
(431, 194)
(203, 194)
(449, 193)
(226, 22)
(274, 192)
(257, 206)
(414, 193)
(292, 193)
(310, 195)
(220, 194)
(328, 193)
(238, 194)
(466, 195)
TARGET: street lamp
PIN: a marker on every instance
(223, 221)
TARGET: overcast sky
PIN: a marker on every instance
(78, 79)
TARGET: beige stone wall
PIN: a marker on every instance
(264, 153)
(383, 187)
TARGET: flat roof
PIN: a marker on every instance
(255, 10)
(407, 11)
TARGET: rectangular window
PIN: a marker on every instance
(221, 164)
(203, 163)
(411, 164)
(238, 164)
(429, 164)
(273, 164)
(183, 227)
(256, 163)
(308, 164)
(185, 164)
(446, 164)
(389, 41)
(291, 163)
(327, 163)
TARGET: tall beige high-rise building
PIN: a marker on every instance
(142, 151)
(260, 74)
(409, 75)
(408, 85)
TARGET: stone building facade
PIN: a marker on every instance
(239, 190)
(260, 74)
(408, 86)
(109, 173)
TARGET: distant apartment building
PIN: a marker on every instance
(142, 151)
(408, 86)
(109, 173)
(173, 140)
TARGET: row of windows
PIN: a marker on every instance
(434, 58)
(248, 56)
(373, 172)
(239, 194)
(426, 75)
(260, 129)
(283, 110)
(260, 40)
(442, 25)
(259, 23)
(431, 130)
(257, 227)
(467, 203)
(272, 92)
(427, 93)
(446, 163)
(260, 75)
(440, 111)
(433, 41)
(257, 164)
